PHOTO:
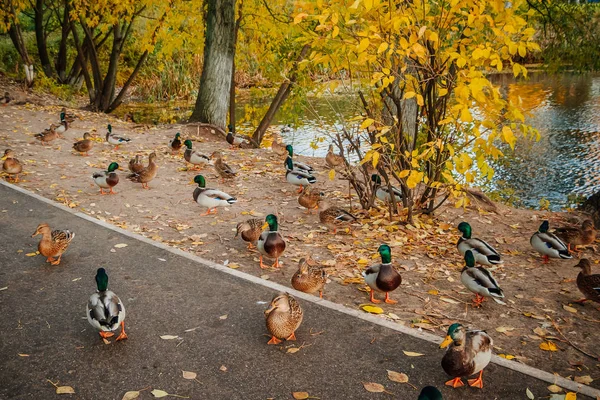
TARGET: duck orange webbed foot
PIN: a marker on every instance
(274, 340)
(456, 382)
(373, 299)
(106, 335)
(122, 335)
(478, 382)
(388, 300)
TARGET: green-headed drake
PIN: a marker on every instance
(430, 393)
(470, 352)
(480, 281)
(382, 192)
(175, 144)
(270, 243)
(194, 157)
(483, 252)
(105, 311)
(107, 179)
(298, 177)
(114, 139)
(296, 165)
(548, 244)
(210, 198)
(383, 277)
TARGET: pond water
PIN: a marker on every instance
(565, 109)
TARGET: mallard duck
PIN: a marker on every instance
(383, 277)
(105, 311)
(278, 147)
(85, 145)
(573, 236)
(479, 281)
(283, 318)
(235, 140)
(587, 283)
(63, 126)
(114, 139)
(333, 160)
(194, 157)
(146, 175)
(107, 179)
(175, 144)
(470, 352)
(296, 165)
(297, 177)
(270, 242)
(309, 278)
(430, 393)
(53, 243)
(48, 135)
(66, 116)
(309, 199)
(335, 217)
(382, 192)
(483, 252)
(548, 245)
(4, 100)
(210, 198)
(135, 164)
(11, 165)
(224, 170)
(250, 230)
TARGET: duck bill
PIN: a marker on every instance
(446, 342)
(35, 233)
(270, 309)
(264, 226)
(3, 158)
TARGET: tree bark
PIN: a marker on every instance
(238, 22)
(14, 32)
(280, 97)
(61, 58)
(108, 85)
(40, 38)
(215, 82)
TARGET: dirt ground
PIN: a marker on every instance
(539, 297)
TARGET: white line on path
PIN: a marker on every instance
(512, 365)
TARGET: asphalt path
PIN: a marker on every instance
(218, 319)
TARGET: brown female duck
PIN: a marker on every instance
(85, 145)
(333, 160)
(135, 164)
(53, 243)
(335, 217)
(249, 230)
(47, 135)
(147, 174)
(11, 165)
(309, 278)
(224, 170)
(587, 283)
(283, 318)
(309, 199)
(577, 236)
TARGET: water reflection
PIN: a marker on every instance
(566, 111)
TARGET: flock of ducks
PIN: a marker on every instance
(469, 351)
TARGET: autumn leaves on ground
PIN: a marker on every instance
(539, 326)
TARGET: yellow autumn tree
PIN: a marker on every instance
(433, 120)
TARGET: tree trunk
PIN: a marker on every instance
(238, 22)
(280, 97)
(16, 37)
(61, 58)
(40, 38)
(108, 85)
(215, 82)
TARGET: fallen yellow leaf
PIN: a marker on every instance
(65, 390)
(300, 395)
(131, 395)
(189, 375)
(570, 309)
(571, 396)
(372, 309)
(548, 346)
